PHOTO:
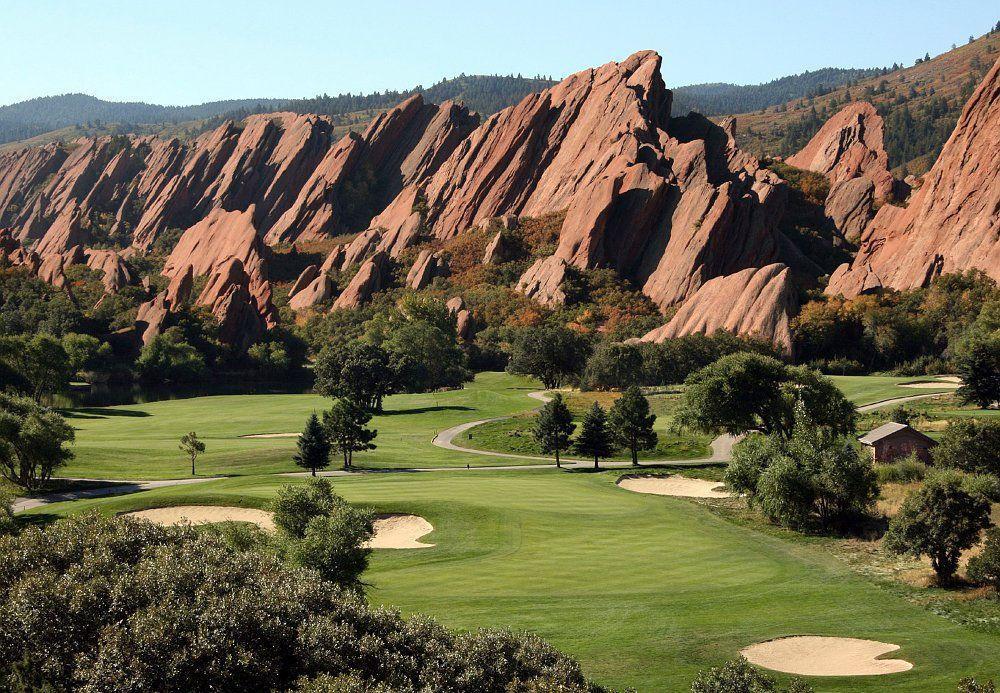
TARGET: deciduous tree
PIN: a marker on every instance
(346, 429)
(192, 447)
(631, 423)
(33, 441)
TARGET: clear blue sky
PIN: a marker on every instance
(189, 51)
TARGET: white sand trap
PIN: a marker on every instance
(935, 385)
(680, 486)
(812, 655)
(400, 532)
(271, 435)
(204, 515)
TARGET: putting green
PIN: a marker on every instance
(644, 590)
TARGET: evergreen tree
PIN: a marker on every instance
(631, 423)
(554, 426)
(346, 429)
(594, 439)
(314, 447)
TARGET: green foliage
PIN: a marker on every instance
(613, 365)
(985, 567)
(269, 358)
(673, 360)
(359, 371)
(295, 505)
(902, 414)
(34, 366)
(814, 478)
(30, 306)
(112, 604)
(7, 522)
(631, 423)
(32, 441)
(971, 445)
(594, 439)
(984, 485)
(744, 391)
(345, 425)
(333, 544)
(192, 447)
(169, 358)
(971, 685)
(87, 353)
(554, 426)
(739, 676)
(940, 520)
(904, 471)
(979, 366)
(552, 353)
(313, 447)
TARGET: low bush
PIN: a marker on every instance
(739, 676)
(985, 485)
(985, 568)
(904, 471)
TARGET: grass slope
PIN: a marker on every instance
(644, 590)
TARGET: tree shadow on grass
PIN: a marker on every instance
(424, 410)
(101, 413)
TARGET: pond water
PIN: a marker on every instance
(104, 395)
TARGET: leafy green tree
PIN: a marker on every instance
(314, 447)
(812, 478)
(346, 429)
(979, 367)
(613, 365)
(269, 358)
(553, 354)
(985, 568)
(192, 613)
(939, 520)
(359, 371)
(192, 447)
(7, 522)
(32, 441)
(296, 504)
(554, 426)
(87, 353)
(631, 423)
(168, 358)
(971, 445)
(40, 364)
(747, 391)
(739, 676)
(594, 439)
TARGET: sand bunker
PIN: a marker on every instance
(680, 486)
(400, 532)
(205, 514)
(933, 385)
(271, 435)
(811, 655)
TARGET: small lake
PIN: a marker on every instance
(104, 395)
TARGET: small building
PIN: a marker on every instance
(892, 441)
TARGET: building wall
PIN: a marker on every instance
(901, 445)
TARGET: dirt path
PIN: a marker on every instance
(897, 400)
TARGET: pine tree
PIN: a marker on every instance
(631, 423)
(346, 429)
(314, 447)
(554, 426)
(594, 439)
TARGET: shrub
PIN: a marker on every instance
(985, 568)
(904, 471)
(33, 441)
(970, 685)
(613, 365)
(739, 676)
(985, 485)
(940, 520)
(169, 358)
(903, 414)
(113, 604)
(971, 445)
(7, 522)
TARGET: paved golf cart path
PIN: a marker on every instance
(721, 452)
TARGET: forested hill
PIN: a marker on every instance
(483, 93)
(719, 98)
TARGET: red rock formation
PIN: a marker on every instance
(428, 266)
(499, 250)
(231, 299)
(952, 222)
(756, 302)
(152, 317)
(373, 276)
(304, 279)
(543, 281)
(850, 206)
(117, 274)
(319, 290)
(179, 289)
(849, 145)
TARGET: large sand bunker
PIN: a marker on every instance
(933, 385)
(680, 486)
(400, 532)
(205, 514)
(812, 655)
(271, 435)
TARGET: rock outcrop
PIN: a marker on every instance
(229, 294)
(373, 276)
(317, 291)
(116, 272)
(850, 206)
(428, 266)
(952, 222)
(849, 145)
(757, 302)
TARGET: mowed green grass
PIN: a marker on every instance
(643, 590)
(140, 441)
(868, 389)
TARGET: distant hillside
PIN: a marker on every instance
(719, 98)
(920, 105)
(87, 114)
